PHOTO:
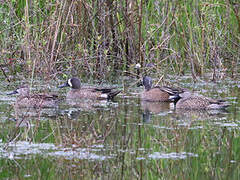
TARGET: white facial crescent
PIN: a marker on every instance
(70, 83)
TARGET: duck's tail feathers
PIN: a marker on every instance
(218, 106)
(112, 94)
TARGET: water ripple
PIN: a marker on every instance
(172, 155)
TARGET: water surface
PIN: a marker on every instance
(121, 139)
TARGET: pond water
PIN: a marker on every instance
(122, 139)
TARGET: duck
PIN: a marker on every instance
(192, 101)
(157, 94)
(35, 100)
(92, 93)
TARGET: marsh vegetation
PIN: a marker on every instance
(188, 44)
(52, 39)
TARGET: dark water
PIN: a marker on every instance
(122, 139)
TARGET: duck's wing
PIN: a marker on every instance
(109, 93)
(103, 90)
(220, 102)
(45, 96)
(171, 90)
(210, 100)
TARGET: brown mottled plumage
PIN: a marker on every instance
(189, 100)
(25, 99)
(78, 92)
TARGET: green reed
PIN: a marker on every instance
(98, 38)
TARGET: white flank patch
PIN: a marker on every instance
(104, 96)
(171, 97)
(70, 83)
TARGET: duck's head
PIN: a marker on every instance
(74, 83)
(147, 82)
(21, 91)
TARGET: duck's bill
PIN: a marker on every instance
(13, 92)
(63, 85)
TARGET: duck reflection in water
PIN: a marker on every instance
(150, 108)
(73, 109)
(185, 115)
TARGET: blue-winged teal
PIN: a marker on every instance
(192, 101)
(78, 92)
(156, 94)
(25, 99)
